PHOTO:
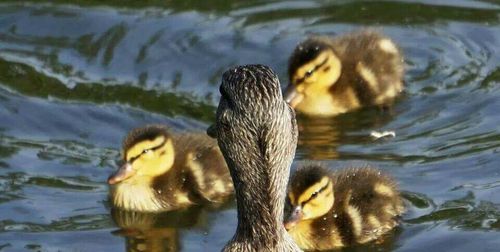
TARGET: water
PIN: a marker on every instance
(75, 77)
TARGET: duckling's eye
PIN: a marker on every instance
(146, 151)
(308, 73)
(314, 195)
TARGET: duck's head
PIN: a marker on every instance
(310, 194)
(147, 152)
(252, 107)
(313, 68)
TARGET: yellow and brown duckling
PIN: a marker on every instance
(329, 210)
(163, 171)
(329, 76)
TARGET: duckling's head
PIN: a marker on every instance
(147, 152)
(310, 194)
(313, 67)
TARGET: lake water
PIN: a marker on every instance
(75, 76)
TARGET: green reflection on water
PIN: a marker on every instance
(28, 81)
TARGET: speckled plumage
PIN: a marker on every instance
(371, 72)
(257, 133)
(198, 174)
(366, 205)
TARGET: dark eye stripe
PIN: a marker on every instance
(152, 149)
(311, 71)
(318, 192)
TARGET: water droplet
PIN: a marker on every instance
(335, 216)
(324, 218)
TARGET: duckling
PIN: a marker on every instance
(257, 134)
(329, 76)
(163, 171)
(333, 210)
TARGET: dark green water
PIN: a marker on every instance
(75, 76)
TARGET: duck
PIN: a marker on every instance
(162, 171)
(257, 134)
(329, 210)
(333, 75)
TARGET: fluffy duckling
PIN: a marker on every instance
(257, 134)
(331, 210)
(163, 172)
(329, 76)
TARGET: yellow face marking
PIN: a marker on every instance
(388, 46)
(356, 219)
(138, 148)
(383, 190)
(156, 160)
(306, 195)
(317, 200)
(312, 82)
(368, 75)
(318, 74)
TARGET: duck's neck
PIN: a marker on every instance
(260, 196)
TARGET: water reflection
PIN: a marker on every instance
(21, 78)
(319, 138)
(145, 231)
(463, 213)
(153, 231)
(76, 76)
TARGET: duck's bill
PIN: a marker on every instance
(292, 97)
(121, 174)
(294, 218)
(212, 131)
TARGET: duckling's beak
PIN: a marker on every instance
(123, 173)
(292, 96)
(294, 218)
(212, 131)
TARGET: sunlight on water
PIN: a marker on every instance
(75, 76)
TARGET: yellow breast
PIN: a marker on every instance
(306, 238)
(324, 103)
